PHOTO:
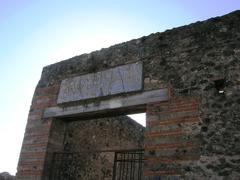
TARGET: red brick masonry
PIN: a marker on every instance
(171, 139)
(34, 147)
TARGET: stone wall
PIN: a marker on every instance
(116, 133)
(192, 60)
(95, 141)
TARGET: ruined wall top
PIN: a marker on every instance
(176, 43)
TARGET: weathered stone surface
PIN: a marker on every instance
(121, 79)
(108, 105)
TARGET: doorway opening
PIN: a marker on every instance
(101, 148)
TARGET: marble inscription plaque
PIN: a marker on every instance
(121, 79)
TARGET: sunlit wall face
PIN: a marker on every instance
(34, 34)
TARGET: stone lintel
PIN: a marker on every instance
(112, 104)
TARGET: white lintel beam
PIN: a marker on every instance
(114, 103)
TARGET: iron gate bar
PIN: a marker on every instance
(140, 164)
(128, 165)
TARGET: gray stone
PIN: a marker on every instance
(121, 79)
(124, 103)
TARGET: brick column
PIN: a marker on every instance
(172, 137)
(36, 137)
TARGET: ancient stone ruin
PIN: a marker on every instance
(6, 176)
(187, 80)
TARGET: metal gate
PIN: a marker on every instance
(128, 165)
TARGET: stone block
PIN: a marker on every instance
(121, 79)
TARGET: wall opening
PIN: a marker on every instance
(90, 147)
(219, 85)
(139, 118)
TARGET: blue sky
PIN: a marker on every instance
(34, 34)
